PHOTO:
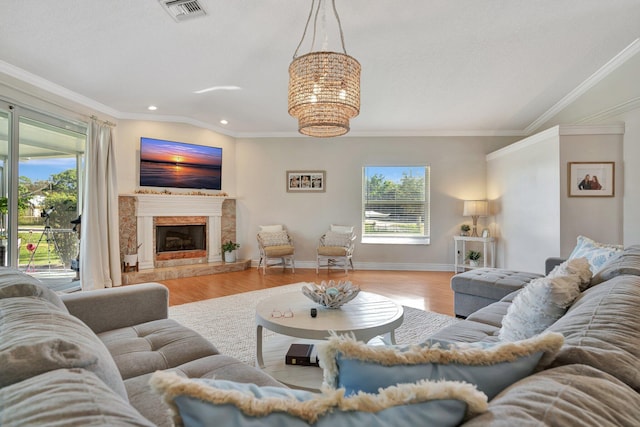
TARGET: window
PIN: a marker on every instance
(395, 204)
(41, 166)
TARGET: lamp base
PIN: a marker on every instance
(474, 231)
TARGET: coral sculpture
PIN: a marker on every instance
(331, 295)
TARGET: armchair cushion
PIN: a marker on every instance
(278, 251)
(332, 251)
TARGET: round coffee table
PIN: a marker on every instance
(366, 316)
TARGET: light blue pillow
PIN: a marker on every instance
(220, 403)
(596, 253)
(356, 366)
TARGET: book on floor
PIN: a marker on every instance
(302, 355)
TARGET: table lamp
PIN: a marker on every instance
(475, 209)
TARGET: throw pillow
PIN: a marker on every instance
(356, 366)
(538, 305)
(274, 238)
(333, 238)
(625, 262)
(66, 397)
(342, 228)
(270, 228)
(206, 402)
(14, 284)
(576, 267)
(36, 338)
(596, 253)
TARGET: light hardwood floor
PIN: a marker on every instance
(426, 290)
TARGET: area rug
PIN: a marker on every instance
(229, 322)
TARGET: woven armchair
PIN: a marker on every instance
(335, 248)
(275, 245)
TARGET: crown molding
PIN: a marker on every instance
(628, 52)
(610, 112)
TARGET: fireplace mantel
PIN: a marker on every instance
(148, 206)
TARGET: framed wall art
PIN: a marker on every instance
(306, 181)
(591, 179)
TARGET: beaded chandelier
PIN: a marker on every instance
(324, 87)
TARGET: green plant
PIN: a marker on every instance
(229, 246)
(465, 227)
(474, 255)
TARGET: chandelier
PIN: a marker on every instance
(324, 87)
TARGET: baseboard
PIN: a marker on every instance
(390, 266)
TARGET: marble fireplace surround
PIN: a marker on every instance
(137, 213)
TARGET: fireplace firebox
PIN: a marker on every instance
(172, 238)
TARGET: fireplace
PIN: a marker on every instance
(178, 230)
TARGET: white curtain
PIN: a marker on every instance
(99, 242)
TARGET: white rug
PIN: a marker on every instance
(229, 322)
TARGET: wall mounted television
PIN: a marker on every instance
(180, 165)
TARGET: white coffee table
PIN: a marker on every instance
(366, 316)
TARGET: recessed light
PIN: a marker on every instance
(152, 107)
(211, 89)
(224, 122)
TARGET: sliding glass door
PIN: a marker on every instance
(42, 162)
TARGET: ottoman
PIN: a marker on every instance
(475, 289)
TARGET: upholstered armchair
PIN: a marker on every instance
(335, 248)
(275, 244)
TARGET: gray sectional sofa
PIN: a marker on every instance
(86, 358)
(595, 378)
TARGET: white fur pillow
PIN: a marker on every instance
(576, 266)
(543, 301)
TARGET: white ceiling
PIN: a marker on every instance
(428, 66)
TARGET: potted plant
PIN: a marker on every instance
(229, 251)
(464, 229)
(473, 257)
(131, 257)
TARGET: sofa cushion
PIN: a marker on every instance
(52, 339)
(573, 395)
(596, 253)
(625, 262)
(601, 330)
(150, 346)
(15, 284)
(225, 403)
(492, 283)
(356, 366)
(211, 367)
(65, 397)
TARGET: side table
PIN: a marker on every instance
(459, 252)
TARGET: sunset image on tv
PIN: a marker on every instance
(177, 164)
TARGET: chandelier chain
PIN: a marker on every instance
(315, 24)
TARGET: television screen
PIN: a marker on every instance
(177, 164)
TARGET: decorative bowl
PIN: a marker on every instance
(331, 295)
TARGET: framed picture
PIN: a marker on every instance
(306, 181)
(591, 179)
(485, 233)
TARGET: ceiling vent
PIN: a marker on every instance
(183, 10)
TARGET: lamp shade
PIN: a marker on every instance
(324, 93)
(475, 208)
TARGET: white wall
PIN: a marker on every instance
(599, 218)
(528, 183)
(631, 175)
(128, 133)
(522, 185)
(458, 171)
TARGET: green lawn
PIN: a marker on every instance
(45, 254)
